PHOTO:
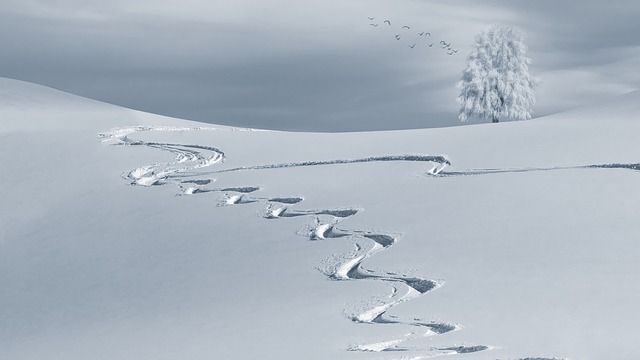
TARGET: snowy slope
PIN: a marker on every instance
(127, 235)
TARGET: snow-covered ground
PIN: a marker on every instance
(127, 235)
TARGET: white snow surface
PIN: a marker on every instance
(525, 246)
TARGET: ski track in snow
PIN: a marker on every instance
(440, 162)
(188, 157)
(348, 267)
(472, 172)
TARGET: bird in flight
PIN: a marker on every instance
(430, 45)
(374, 25)
(397, 36)
(428, 33)
(388, 22)
(445, 45)
(412, 46)
(371, 18)
(406, 27)
(421, 33)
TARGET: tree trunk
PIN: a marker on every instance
(494, 120)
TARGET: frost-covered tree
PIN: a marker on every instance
(496, 85)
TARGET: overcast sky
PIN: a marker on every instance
(312, 65)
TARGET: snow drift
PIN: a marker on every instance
(524, 247)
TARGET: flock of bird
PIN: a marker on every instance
(421, 36)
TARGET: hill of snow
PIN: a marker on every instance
(127, 235)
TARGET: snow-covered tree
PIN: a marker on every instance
(496, 85)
